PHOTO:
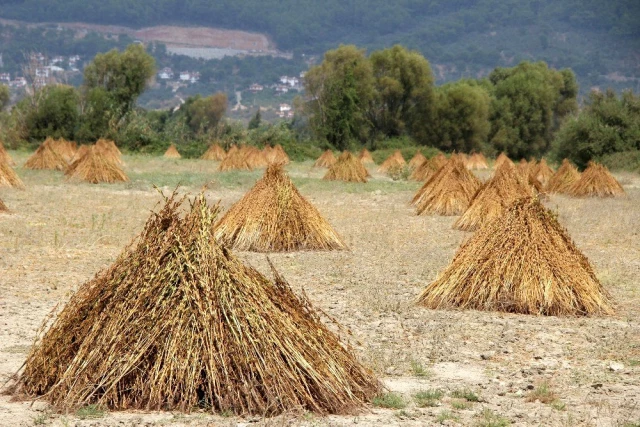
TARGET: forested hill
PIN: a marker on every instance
(596, 38)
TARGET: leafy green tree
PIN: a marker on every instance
(461, 117)
(607, 124)
(204, 114)
(5, 96)
(403, 99)
(530, 101)
(56, 113)
(255, 121)
(340, 90)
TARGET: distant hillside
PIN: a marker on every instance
(599, 40)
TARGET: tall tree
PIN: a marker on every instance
(56, 114)
(5, 96)
(204, 114)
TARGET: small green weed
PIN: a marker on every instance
(634, 362)
(427, 398)
(491, 419)
(465, 394)
(390, 400)
(40, 420)
(543, 393)
(419, 370)
(446, 415)
(460, 404)
(89, 412)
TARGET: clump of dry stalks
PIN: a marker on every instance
(416, 161)
(95, 167)
(347, 168)
(110, 150)
(365, 157)
(394, 161)
(596, 181)
(5, 157)
(448, 192)
(527, 171)
(439, 160)
(424, 171)
(564, 177)
(493, 197)
(9, 177)
(521, 262)
(234, 160)
(543, 172)
(45, 157)
(274, 217)
(477, 161)
(3, 207)
(179, 323)
(66, 149)
(501, 159)
(255, 157)
(215, 152)
(277, 155)
(325, 160)
(172, 153)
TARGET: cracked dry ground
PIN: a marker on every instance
(485, 365)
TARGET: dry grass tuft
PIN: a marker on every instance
(178, 323)
(596, 181)
(95, 168)
(9, 177)
(564, 177)
(365, 157)
(172, 153)
(543, 172)
(326, 160)
(347, 168)
(449, 191)
(274, 217)
(394, 161)
(501, 159)
(215, 152)
(521, 262)
(417, 160)
(477, 161)
(495, 195)
(45, 157)
(5, 157)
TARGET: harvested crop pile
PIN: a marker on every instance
(9, 177)
(495, 195)
(3, 207)
(172, 153)
(214, 152)
(277, 155)
(477, 161)
(347, 168)
(439, 160)
(424, 171)
(234, 160)
(564, 177)
(501, 159)
(66, 149)
(178, 323)
(417, 160)
(521, 262)
(274, 217)
(542, 172)
(325, 160)
(365, 157)
(45, 157)
(109, 150)
(5, 157)
(394, 161)
(448, 192)
(95, 168)
(255, 158)
(596, 181)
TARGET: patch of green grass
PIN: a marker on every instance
(465, 394)
(90, 412)
(543, 393)
(634, 362)
(445, 416)
(631, 424)
(491, 419)
(460, 404)
(428, 398)
(558, 405)
(419, 370)
(390, 400)
(40, 420)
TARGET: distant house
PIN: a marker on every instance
(166, 73)
(54, 69)
(40, 81)
(42, 72)
(194, 77)
(284, 108)
(281, 89)
(289, 81)
(185, 76)
(302, 74)
(18, 82)
(57, 60)
(256, 88)
(5, 78)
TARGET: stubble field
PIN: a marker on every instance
(441, 367)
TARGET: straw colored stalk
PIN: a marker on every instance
(9, 178)
(564, 177)
(417, 160)
(45, 157)
(96, 168)
(501, 159)
(109, 150)
(81, 153)
(179, 323)
(477, 161)
(365, 157)
(526, 170)
(596, 181)
(491, 200)
(274, 217)
(393, 161)
(3, 207)
(543, 172)
(255, 158)
(277, 155)
(347, 168)
(521, 262)
(215, 152)
(235, 160)
(5, 157)
(172, 153)
(448, 192)
(424, 171)
(325, 160)
(66, 149)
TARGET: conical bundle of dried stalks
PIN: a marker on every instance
(255, 158)
(233, 149)
(80, 153)
(526, 170)
(347, 168)
(214, 152)
(66, 149)
(179, 323)
(9, 177)
(543, 172)
(477, 161)
(393, 161)
(423, 172)
(325, 160)
(5, 157)
(501, 159)
(439, 160)
(234, 160)
(46, 157)
(596, 181)
(449, 191)
(109, 150)
(521, 262)
(365, 157)
(417, 160)
(274, 217)
(564, 177)
(3, 207)
(278, 155)
(95, 168)
(495, 195)
(172, 153)
(522, 167)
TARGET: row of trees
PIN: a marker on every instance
(358, 99)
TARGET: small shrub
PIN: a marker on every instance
(445, 416)
(460, 404)
(558, 405)
(419, 370)
(399, 173)
(89, 412)
(543, 393)
(491, 419)
(428, 398)
(465, 394)
(390, 400)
